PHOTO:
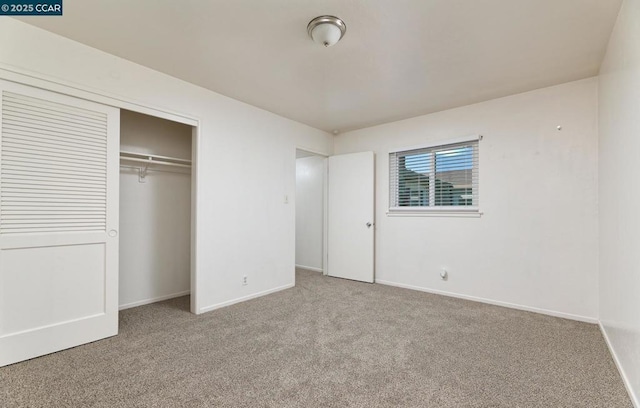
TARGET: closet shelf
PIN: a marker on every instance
(154, 159)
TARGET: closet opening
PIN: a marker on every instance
(310, 208)
(155, 211)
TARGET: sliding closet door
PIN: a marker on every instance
(58, 222)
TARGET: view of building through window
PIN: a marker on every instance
(451, 170)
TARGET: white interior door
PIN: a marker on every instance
(58, 222)
(350, 216)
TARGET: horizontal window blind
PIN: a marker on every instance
(53, 167)
(444, 176)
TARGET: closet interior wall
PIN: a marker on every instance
(155, 212)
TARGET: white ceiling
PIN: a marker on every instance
(398, 59)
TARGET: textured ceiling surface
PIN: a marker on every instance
(398, 59)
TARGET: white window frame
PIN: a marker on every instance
(454, 211)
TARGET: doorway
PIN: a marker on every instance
(310, 208)
(155, 209)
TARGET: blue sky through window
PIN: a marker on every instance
(420, 163)
(446, 160)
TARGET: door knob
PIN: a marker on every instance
(369, 225)
(113, 233)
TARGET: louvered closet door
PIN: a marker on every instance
(58, 222)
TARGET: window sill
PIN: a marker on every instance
(435, 212)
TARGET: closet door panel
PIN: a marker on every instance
(59, 160)
(82, 288)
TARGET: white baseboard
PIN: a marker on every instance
(310, 268)
(494, 302)
(616, 360)
(244, 298)
(153, 300)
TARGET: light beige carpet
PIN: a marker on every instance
(328, 343)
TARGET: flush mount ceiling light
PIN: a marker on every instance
(326, 30)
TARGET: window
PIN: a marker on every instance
(443, 177)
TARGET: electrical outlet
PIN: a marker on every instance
(244, 280)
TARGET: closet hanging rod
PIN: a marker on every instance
(161, 169)
(151, 161)
(152, 157)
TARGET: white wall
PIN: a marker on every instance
(619, 196)
(155, 216)
(536, 244)
(238, 142)
(309, 212)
